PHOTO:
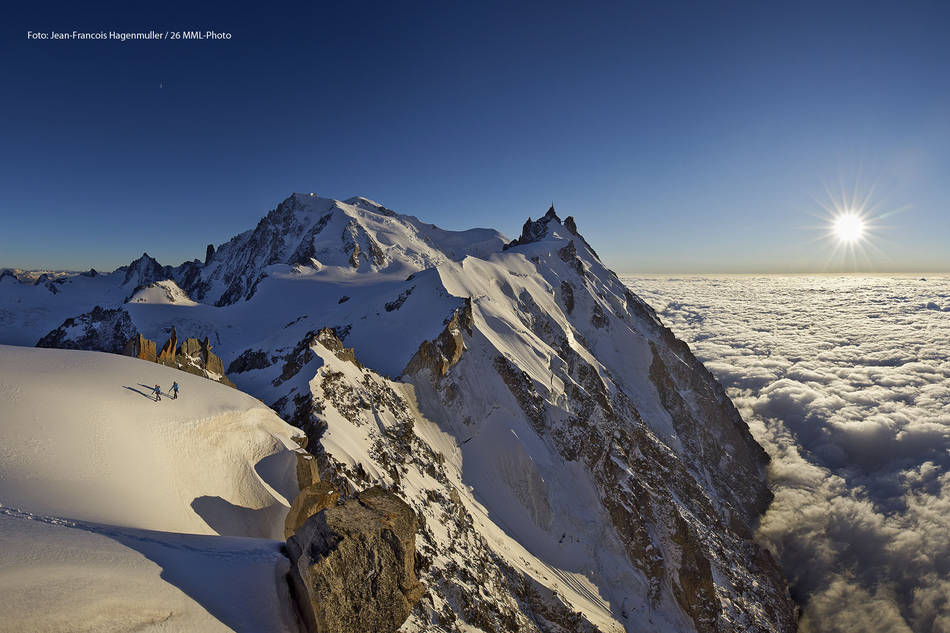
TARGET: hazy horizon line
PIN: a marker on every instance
(790, 273)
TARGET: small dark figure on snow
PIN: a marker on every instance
(158, 393)
(174, 391)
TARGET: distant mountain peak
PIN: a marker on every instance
(362, 201)
(144, 271)
(544, 227)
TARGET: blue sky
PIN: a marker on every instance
(684, 137)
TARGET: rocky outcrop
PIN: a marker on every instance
(396, 303)
(534, 230)
(308, 471)
(196, 357)
(353, 565)
(296, 359)
(249, 360)
(166, 356)
(567, 296)
(329, 339)
(311, 500)
(353, 236)
(441, 353)
(141, 348)
(524, 391)
(192, 356)
(100, 329)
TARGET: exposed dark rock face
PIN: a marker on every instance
(524, 391)
(329, 339)
(305, 253)
(353, 565)
(672, 376)
(247, 255)
(298, 357)
(188, 275)
(249, 360)
(209, 254)
(570, 225)
(598, 317)
(568, 254)
(144, 271)
(532, 231)
(396, 303)
(297, 366)
(693, 586)
(567, 296)
(353, 236)
(440, 354)
(100, 330)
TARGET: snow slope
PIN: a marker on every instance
(105, 495)
(64, 576)
(166, 291)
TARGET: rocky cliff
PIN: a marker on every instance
(353, 565)
(192, 355)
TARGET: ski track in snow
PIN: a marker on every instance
(846, 382)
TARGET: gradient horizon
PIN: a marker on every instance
(684, 138)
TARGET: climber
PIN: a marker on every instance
(174, 391)
(158, 393)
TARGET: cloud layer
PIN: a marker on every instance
(846, 383)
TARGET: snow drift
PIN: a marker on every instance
(105, 495)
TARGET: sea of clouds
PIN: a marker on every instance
(845, 380)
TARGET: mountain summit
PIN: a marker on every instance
(574, 467)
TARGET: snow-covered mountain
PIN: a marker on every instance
(574, 467)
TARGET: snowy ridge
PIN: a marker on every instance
(356, 236)
(165, 291)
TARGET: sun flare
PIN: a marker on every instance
(849, 227)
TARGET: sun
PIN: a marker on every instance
(848, 227)
(852, 226)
